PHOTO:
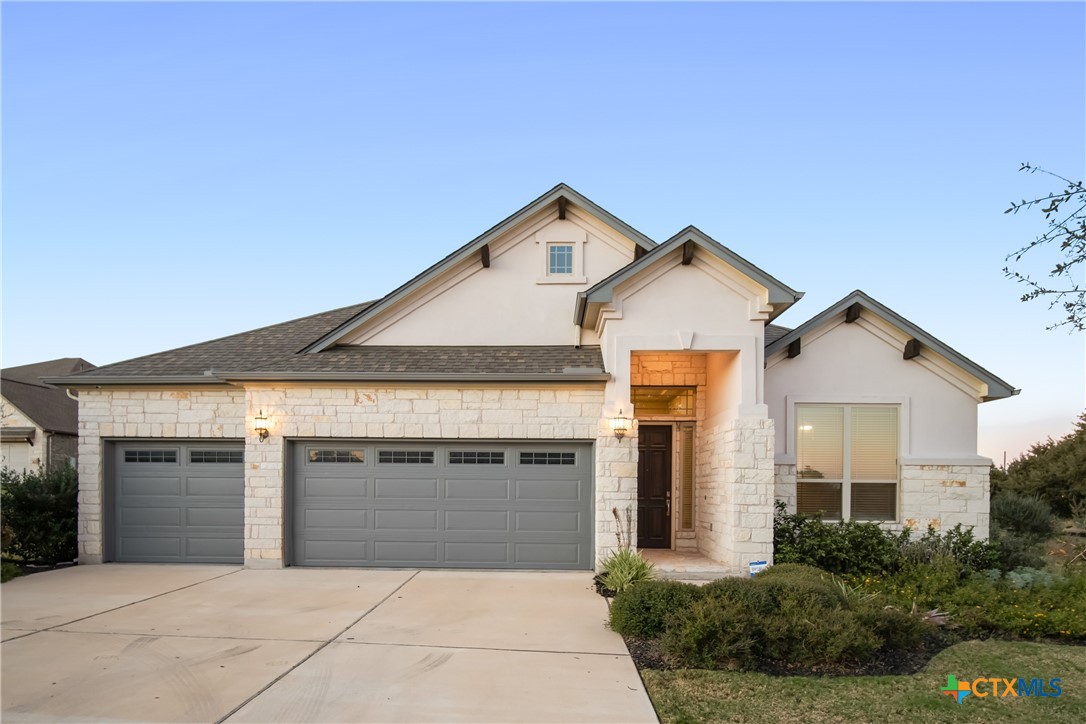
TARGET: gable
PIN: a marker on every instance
(559, 204)
(506, 296)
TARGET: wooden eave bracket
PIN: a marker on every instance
(485, 252)
(794, 347)
(562, 207)
(912, 349)
(688, 252)
(852, 313)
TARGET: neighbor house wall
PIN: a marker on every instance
(14, 417)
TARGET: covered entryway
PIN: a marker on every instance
(177, 502)
(442, 504)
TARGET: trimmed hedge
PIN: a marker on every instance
(39, 514)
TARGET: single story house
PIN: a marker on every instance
(498, 408)
(39, 422)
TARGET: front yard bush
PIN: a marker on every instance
(641, 610)
(623, 568)
(39, 511)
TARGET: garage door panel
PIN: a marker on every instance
(140, 515)
(233, 486)
(483, 510)
(178, 502)
(477, 553)
(540, 553)
(216, 517)
(496, 490)
(314, 487)
(393, 552)
(401, 489)
(405, 520)
(318, 518)
(549, 490)
(563, 521)
(476, 521)
(132, 485)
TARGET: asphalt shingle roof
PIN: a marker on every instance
(48, 406)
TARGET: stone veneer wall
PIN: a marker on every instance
(169, 414)
(675, 369)
(941, 496)
(735, 500)
(348, 412)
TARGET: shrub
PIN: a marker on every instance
(1026, 605)
(1054, 470)
(957, 544)
(808, 636)
(625, 567)
(1023, 515)
(41, 511)
(895, 627)
(709, 633)
(642, 610)
(848, 547)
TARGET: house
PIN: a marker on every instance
(38, 421)
(496, 409)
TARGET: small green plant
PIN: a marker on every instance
(625, 567)
(40, 511)
(710, 633)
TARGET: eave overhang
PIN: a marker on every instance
(780, 295)
(17, 434)
(998, 389)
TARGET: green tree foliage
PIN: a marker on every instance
(1065, 212)
(39, 514)
(1054, 470)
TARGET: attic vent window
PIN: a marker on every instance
(560, 259)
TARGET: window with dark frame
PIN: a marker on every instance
(470, 457)
(408, 457)
(322, 455)
(217, 456)
(150, 456)
(548, 458)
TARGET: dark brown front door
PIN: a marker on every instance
(654, 486)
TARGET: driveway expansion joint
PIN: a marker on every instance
(484, 648)
(316, 651)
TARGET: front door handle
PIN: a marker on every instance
(669, 506)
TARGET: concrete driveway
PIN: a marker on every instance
(152, 643)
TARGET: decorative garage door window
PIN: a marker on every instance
(216, 456)
(548, 458)
(320, 455)
(150, 456)
(458, 457)
(847, 461)
(408, 457)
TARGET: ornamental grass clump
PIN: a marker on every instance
(625, 566)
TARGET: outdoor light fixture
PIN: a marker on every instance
(620, 425)
(261, 427)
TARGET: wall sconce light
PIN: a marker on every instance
(620, 425)
(261, 426)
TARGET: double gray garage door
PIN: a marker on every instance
(364, 503)
(446, 505)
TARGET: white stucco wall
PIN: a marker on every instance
(506, 304)
(862, 362)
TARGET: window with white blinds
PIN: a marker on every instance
(847, 461)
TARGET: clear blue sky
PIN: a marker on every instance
(177, 172)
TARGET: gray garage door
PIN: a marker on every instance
(445, 505)
(181, 503)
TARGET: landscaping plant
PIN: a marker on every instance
(40, 512)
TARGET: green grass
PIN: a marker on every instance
(723, 696)
(9, 571)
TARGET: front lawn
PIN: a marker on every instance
(724, 696)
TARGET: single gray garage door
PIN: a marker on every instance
(442, 505)
(178, 502)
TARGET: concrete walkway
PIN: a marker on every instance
(144, 643)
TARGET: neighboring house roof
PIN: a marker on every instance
(48, 406)
(473, 246)
(997, 388)
(781, 296)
